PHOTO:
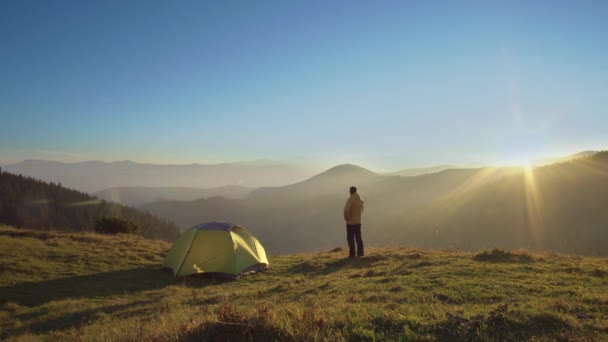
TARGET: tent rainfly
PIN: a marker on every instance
(219, 248)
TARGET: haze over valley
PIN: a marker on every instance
(511, 207)
(438, 207)
(95, 176)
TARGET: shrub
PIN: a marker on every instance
(500, 255)
(115, 225)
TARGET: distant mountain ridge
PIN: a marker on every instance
(97, 176)
(559, 207)
(94, 176)
(328, 182)
(548, 161)
(453, 208)
(138, 195)
(412, 172)
(292, 218)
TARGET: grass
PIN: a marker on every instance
(88, 287)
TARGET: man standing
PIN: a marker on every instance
(352, 215)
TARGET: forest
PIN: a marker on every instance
(30, 203)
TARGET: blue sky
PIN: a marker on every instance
(385, 84)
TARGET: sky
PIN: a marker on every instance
(383, 84)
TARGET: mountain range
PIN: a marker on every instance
(560, 207)
(138, 195)
(557, 207)
(307, 215)
(554, 207)
(94, 176)
(140, 183)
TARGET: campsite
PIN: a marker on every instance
(89, 287)
(303, 170)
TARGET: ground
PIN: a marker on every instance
(89, 287)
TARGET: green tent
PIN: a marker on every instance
(216, 247)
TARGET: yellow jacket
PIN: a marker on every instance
(353, 209)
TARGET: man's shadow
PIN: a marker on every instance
(316, 268)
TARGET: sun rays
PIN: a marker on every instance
(482, 177)
(534, 206)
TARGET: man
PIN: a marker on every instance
(352, 215)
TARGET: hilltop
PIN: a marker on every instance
(328, 182)
(87, 287)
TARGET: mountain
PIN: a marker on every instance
(307, 215)
(94, 176)
(31, 203)
(420, 171)
(547, 161)
(335, 180)
(560, 207)
(138, 195)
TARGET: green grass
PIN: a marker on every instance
(87, 287)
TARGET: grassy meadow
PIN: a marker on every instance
(88, 287)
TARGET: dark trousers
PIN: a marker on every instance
(353, 231)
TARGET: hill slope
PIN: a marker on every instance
(559, 207)
(547, 161)
(86, 287)
(30, 203)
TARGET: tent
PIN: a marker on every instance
(216, 247)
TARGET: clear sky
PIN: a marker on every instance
(384, 84)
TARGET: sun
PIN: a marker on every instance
(526, 165)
